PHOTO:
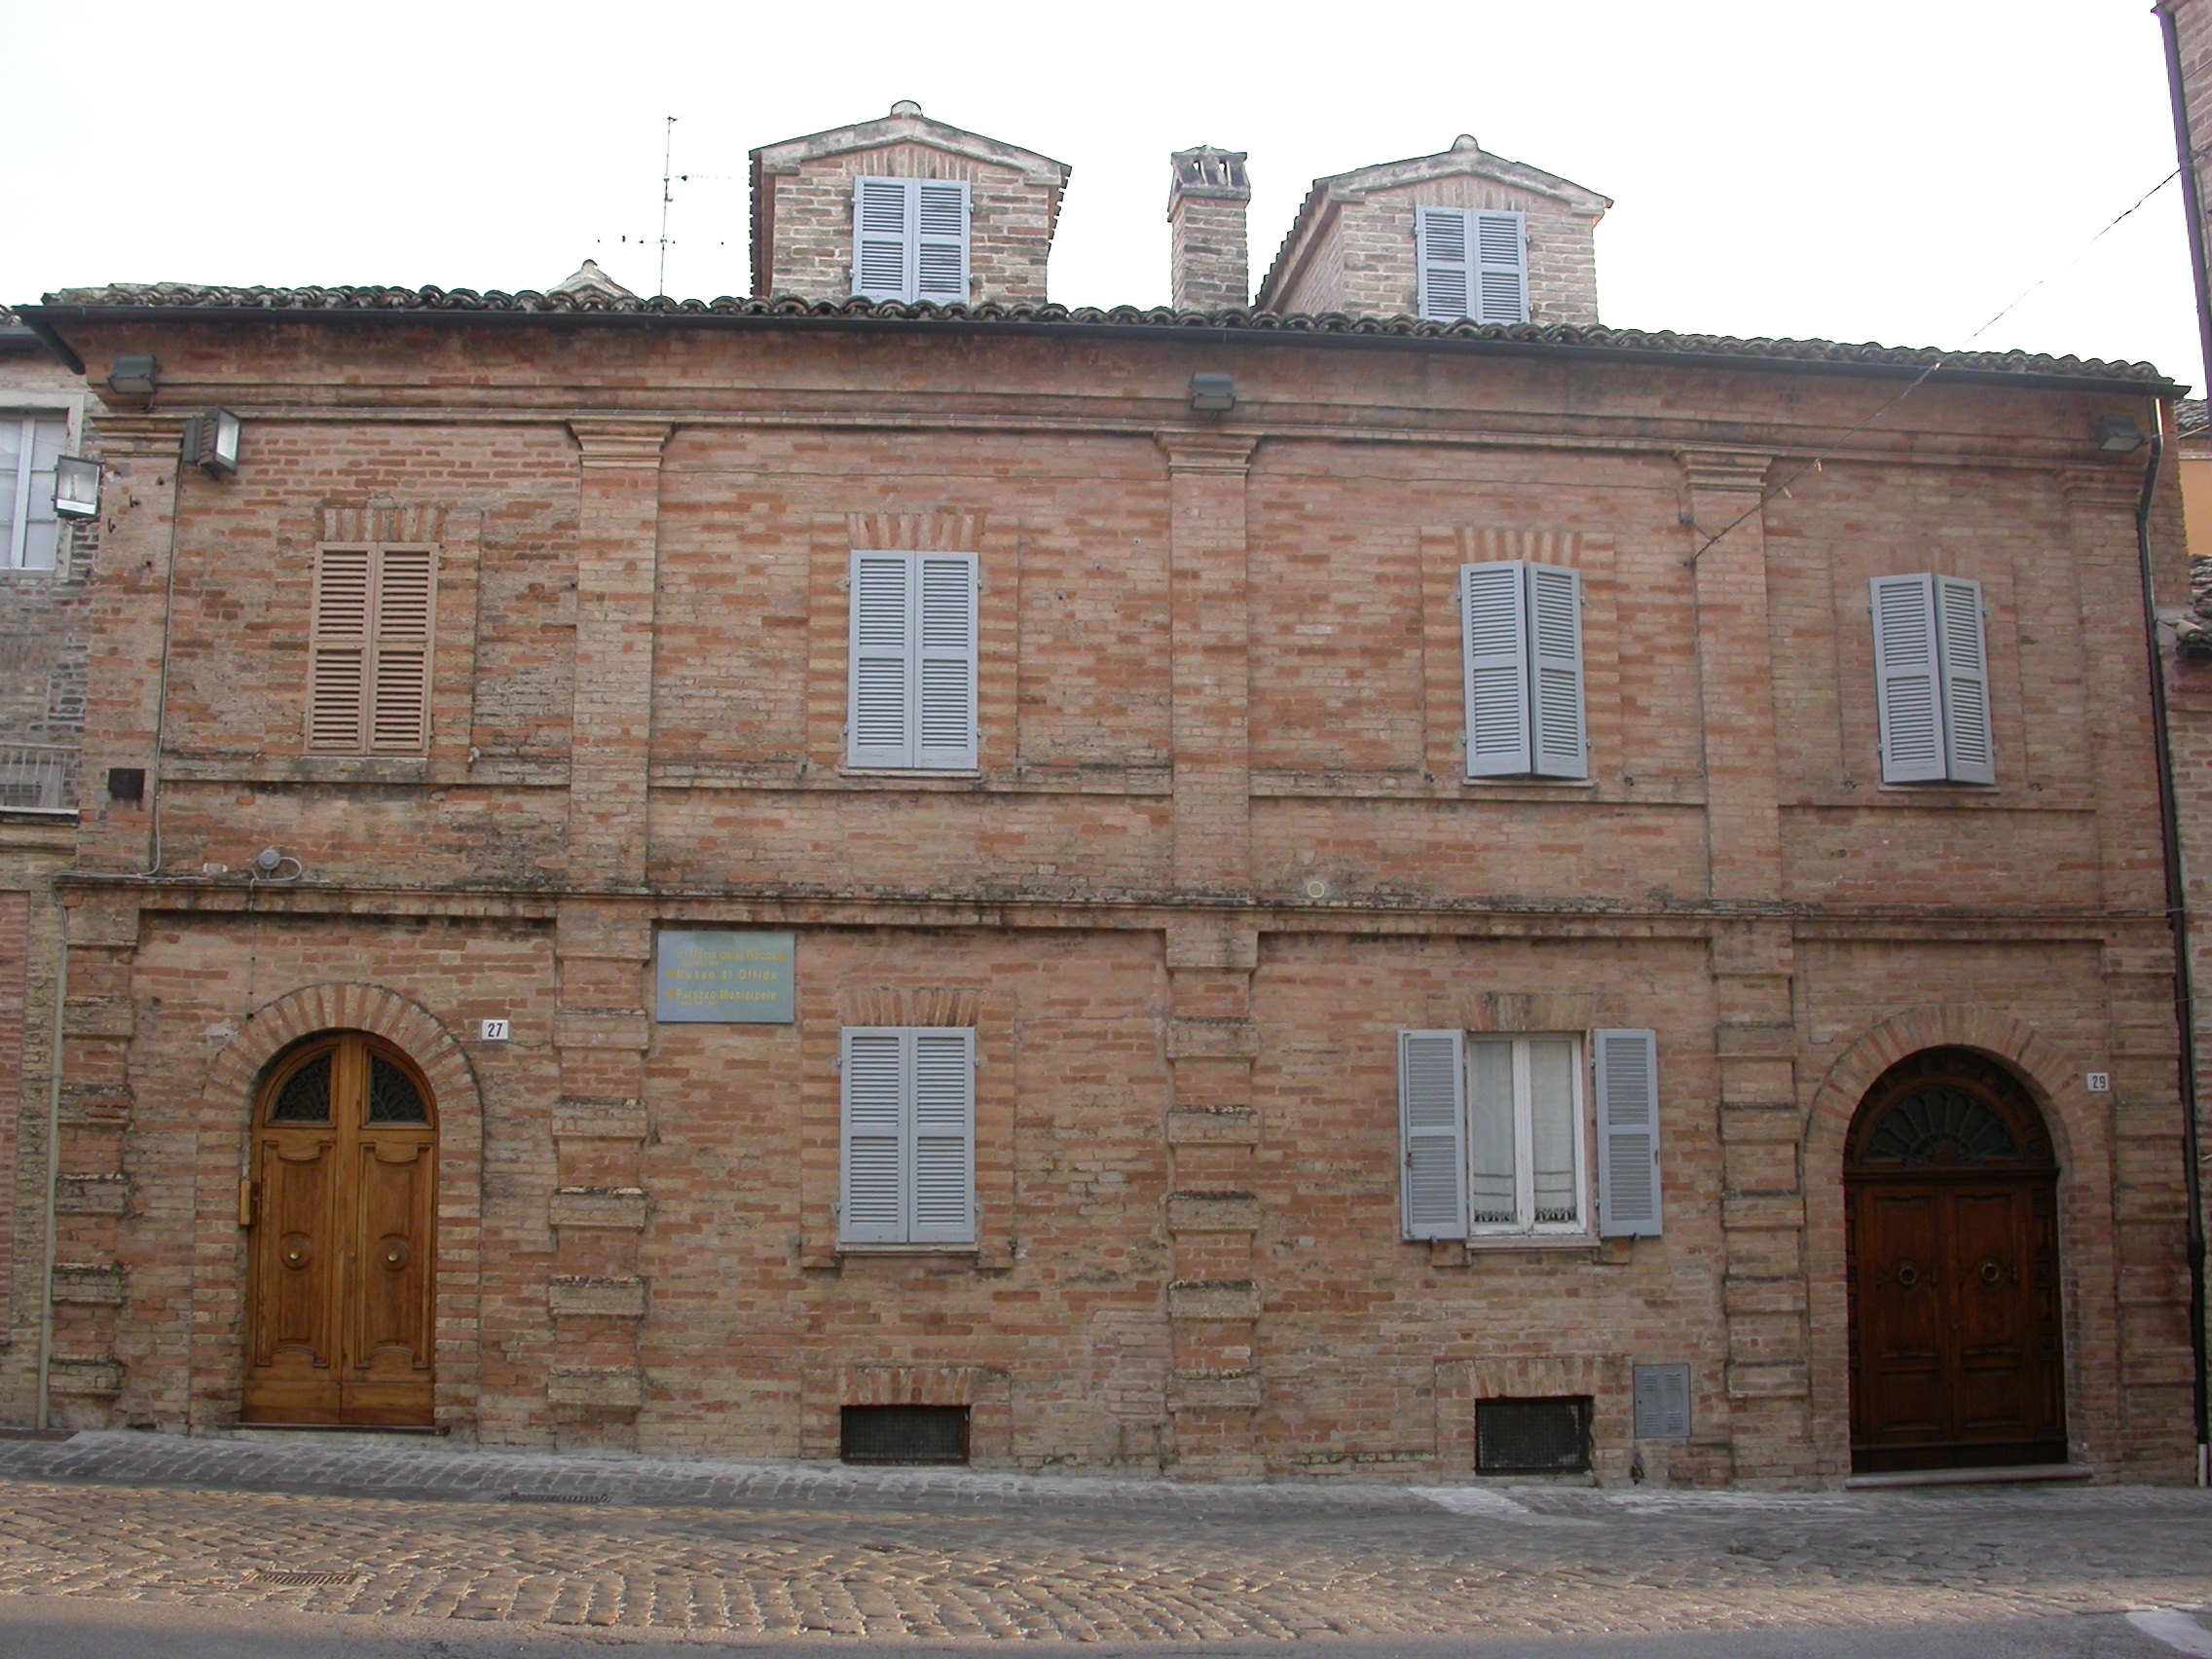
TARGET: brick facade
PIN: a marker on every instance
(1217, 851)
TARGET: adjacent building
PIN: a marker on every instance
(1384, 882)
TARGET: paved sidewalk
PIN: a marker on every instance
(780, 1551)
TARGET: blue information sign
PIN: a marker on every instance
(725, 978)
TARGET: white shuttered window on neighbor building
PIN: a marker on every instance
(908, 1135)
(1931, 680)
(31, 535)
(369, 650)
(1473, 263)
(1494, 1141)
(1521, 627)
(911, 239)
(913, 662)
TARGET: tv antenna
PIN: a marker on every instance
(667, 195)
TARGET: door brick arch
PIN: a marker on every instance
(228, 1096)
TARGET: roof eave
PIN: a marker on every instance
(47, 321)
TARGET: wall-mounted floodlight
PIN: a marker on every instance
(2119, 434)
(211, 442)
(133, 376)
(76, 488)
(1213, 393)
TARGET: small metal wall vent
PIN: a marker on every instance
(905, 1434)
(555, 1497)
(1662, 1402)
(1532, 1437)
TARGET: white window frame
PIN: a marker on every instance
(914, 753)
(907, 1230)
(28, 414)
(1526, 1224)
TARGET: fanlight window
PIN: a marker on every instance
(305, 1097)
(1939, 1126)
(393, 1099)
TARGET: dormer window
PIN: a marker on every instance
(911, 239)
(1474, 262)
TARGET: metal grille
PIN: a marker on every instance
(391, 1097)
(38, 777)
(553, 1497)
(1532, 1437)
(305, 1097)
(268, 1575)
(905, 1434)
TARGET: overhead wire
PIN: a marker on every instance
(1835, 449)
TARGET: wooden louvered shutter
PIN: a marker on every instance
(944, 627)
(1908, 682)
(1561, 748)
(940, 242)
(880, 726)
(338, 652)
(1969, 746)
(871, 1191)
(1443, 256)
(1501, 266)
(399, 652)
(1432, 1130)
(941, 1127)
(883, 237)
(1628, 1133)
(1495, 632)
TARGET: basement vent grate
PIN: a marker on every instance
(268, 1575)
(556, 1498)
(905, 1434)
(1532, 1437)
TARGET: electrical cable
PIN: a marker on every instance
(1835, 449)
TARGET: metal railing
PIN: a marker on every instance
(38, 777)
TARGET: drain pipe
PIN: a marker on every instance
(52, 1184)
(2177, 921)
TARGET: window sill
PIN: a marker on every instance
(1528, 783)
(1940, 786)
(963, 1250)
(1462, 1252)
(913, 774)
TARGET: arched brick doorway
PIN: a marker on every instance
(341, 1215)
(1950, 1208)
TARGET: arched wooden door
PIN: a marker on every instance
(341, 1239)
(1950, 1203)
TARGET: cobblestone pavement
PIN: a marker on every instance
(778, 1551)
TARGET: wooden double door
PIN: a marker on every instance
(341, 1212)
(1951, 1208)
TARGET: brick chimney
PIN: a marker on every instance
(1205, 213)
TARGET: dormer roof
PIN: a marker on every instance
(1466, 159)
(906, 125)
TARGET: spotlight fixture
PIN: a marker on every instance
(2119, 434)
(133, 376)
(211, 442)
(1213, 393)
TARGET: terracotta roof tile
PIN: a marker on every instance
(1586, 338)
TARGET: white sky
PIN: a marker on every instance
(1895, 170)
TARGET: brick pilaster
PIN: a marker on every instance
(617, 536)
(1735, 673)
(1210, 675)
(138, 510)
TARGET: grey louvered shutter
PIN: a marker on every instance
(1628, 1133)
(1432, 1131)
(1908, 682)
(879, 714)
(942, 1137)
(944, 628)
(940, 242)
(871, 1206)
(1501, 266)
(1495, 632)
(338, 652)
(1561, 748)
(399, 665)
(883, 237)
(1444, 257)
(1969, 746)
